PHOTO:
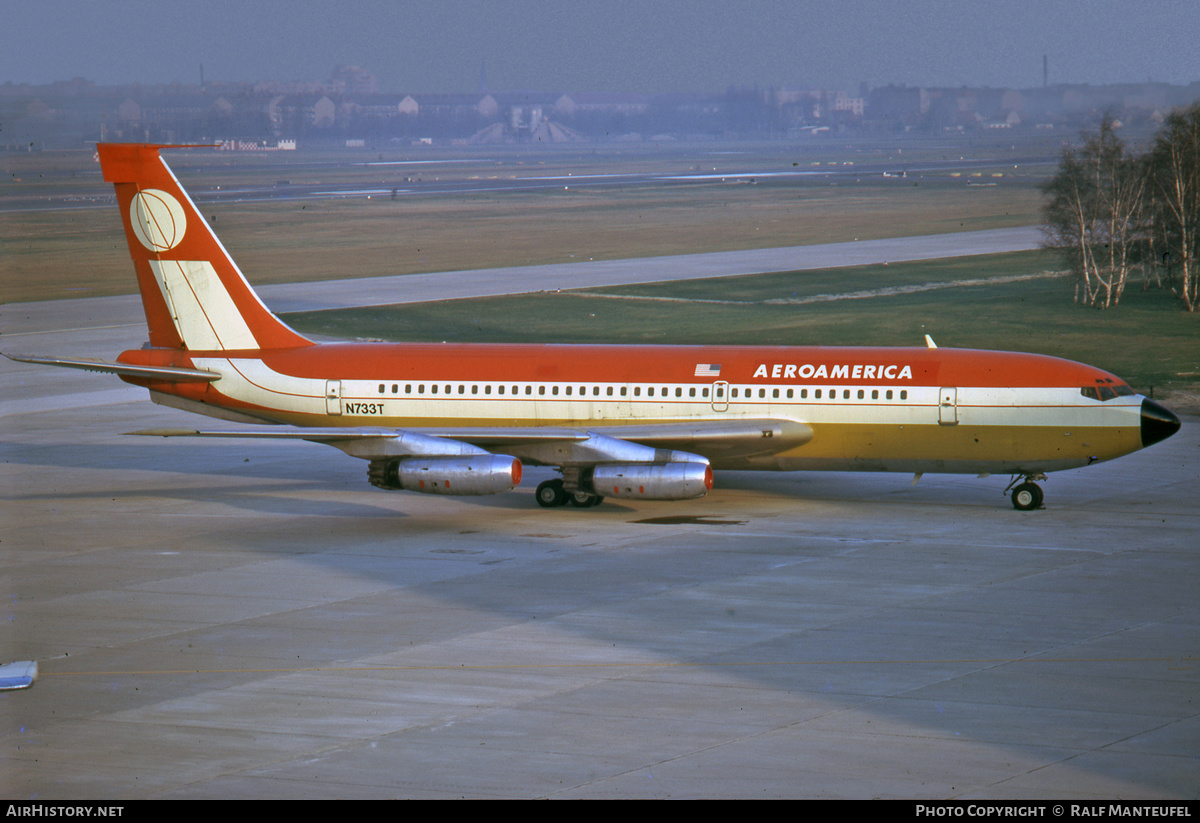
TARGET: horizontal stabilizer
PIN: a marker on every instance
(173, 373)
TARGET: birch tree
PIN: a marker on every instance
(1174, 201)
(1094, 215)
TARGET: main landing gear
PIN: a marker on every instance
(1026, 495)
(552, 493)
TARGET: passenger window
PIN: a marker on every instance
(381, 388)
(903, 394)
(487, 389)
(874, 394)
(889, 394)
(817, 394)
(861, 394)
(650, 392)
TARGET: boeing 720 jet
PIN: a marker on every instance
(644, 422)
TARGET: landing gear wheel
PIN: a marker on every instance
(550, 494)
(583, 500)
(1027, 497)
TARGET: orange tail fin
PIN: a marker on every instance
(194, 295)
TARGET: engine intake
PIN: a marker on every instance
(646, 481)
(476, 474)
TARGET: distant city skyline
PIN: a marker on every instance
(605, 45)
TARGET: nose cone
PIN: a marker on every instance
(1158, 423)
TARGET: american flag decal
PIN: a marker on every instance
(708, 369)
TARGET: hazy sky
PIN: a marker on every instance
(604, 45)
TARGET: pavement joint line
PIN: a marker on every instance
(631, 664)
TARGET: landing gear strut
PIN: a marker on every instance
(1027, 495)
(552, 493)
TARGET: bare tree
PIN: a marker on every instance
(1174, 201)
(1094, 215)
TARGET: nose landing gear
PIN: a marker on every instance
(1026, 495)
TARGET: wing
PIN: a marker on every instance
(710, 440)
(660, 461)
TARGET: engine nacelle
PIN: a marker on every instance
(475, 474)
(646, 481)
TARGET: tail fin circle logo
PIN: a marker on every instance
(158, 219)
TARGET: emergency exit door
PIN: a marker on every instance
(333, 396)
(948, 407)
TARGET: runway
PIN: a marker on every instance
(251, 619)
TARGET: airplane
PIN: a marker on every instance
(615, 421)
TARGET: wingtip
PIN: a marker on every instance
(163, 433)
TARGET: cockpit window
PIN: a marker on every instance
(1103, 392)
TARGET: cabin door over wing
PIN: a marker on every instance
(720, 396)
(333, 396)
(948, 407)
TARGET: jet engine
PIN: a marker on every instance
(646, 481)
(475, 474)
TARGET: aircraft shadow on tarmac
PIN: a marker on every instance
(326, 473)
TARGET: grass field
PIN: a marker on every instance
(79, 252)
